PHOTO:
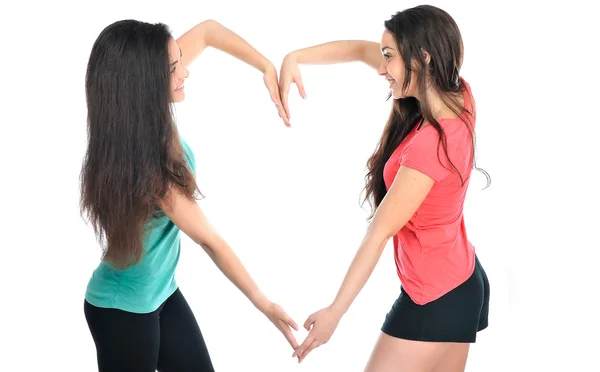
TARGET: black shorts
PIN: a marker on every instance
(457, 316)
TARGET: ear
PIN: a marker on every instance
(426, 56)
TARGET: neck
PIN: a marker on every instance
(438, 108)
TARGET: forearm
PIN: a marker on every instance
(227, 41)
(231, 266)
(340, 51)
(360, 270)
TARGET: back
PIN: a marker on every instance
(433, 254)
(142, 287)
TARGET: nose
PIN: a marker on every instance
(382, 70)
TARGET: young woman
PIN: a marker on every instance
(139, 191)
(417, 181)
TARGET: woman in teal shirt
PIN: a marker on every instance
(139, 192)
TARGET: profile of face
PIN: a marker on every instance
(178, 72)
(392, 68)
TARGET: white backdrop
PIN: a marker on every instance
(287, 198)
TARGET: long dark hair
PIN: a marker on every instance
(133, 154)
(431, 29)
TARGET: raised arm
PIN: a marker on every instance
(341, 51)
(187, 215)
(211, 33)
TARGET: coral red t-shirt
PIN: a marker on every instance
(432, 252)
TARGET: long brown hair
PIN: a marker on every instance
(133, 154)
(431, 29)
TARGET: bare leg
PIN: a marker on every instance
(455, 358)
(397, 355)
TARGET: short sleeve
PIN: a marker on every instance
(421, 154)
(189, 155)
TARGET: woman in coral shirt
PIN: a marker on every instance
(417, 182)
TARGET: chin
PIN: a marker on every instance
(178, 97)
(397, 95)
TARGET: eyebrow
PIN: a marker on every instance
(180, 55)
(386, 47)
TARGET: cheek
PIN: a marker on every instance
(396, 70)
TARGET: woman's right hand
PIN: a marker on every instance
(289, 73)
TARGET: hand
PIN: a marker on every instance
(323, 322)
(270, 79)
(289, 73)
(282, 321)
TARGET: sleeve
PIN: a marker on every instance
(421, 154)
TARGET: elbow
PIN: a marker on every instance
(379, 237)
(209, 26)
(208, 23)
(210, 243)
(201, 240)
(210, 251)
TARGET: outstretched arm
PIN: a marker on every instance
(406, 194)
(341, 51)
(211, 33)
(187, 215)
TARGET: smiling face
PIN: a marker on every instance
(178, 72)
(394, 69)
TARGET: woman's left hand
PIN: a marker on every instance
(323, 323)
(282, 321)
(272, 84)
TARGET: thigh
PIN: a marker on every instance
(393, 354)
(182, 346)
(124, 341)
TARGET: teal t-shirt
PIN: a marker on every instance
(142, 288)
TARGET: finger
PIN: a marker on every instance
(275, 96)
(289, 336)
(309, 339)
(313, 345)
(308, 323)
(300, 85)
(274, 92)
(281, 110)
(282, 114)
(289, 321)
(283, 93)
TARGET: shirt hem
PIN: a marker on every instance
(111, 304)
(444, 292)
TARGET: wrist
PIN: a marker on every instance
(260, 301)
(338, 308)
(266, 66)
(293, 56)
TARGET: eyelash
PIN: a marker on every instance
(387, 56)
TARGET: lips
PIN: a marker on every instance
(179, 88)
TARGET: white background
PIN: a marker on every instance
(287, 199)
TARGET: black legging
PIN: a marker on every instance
(167, 340)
